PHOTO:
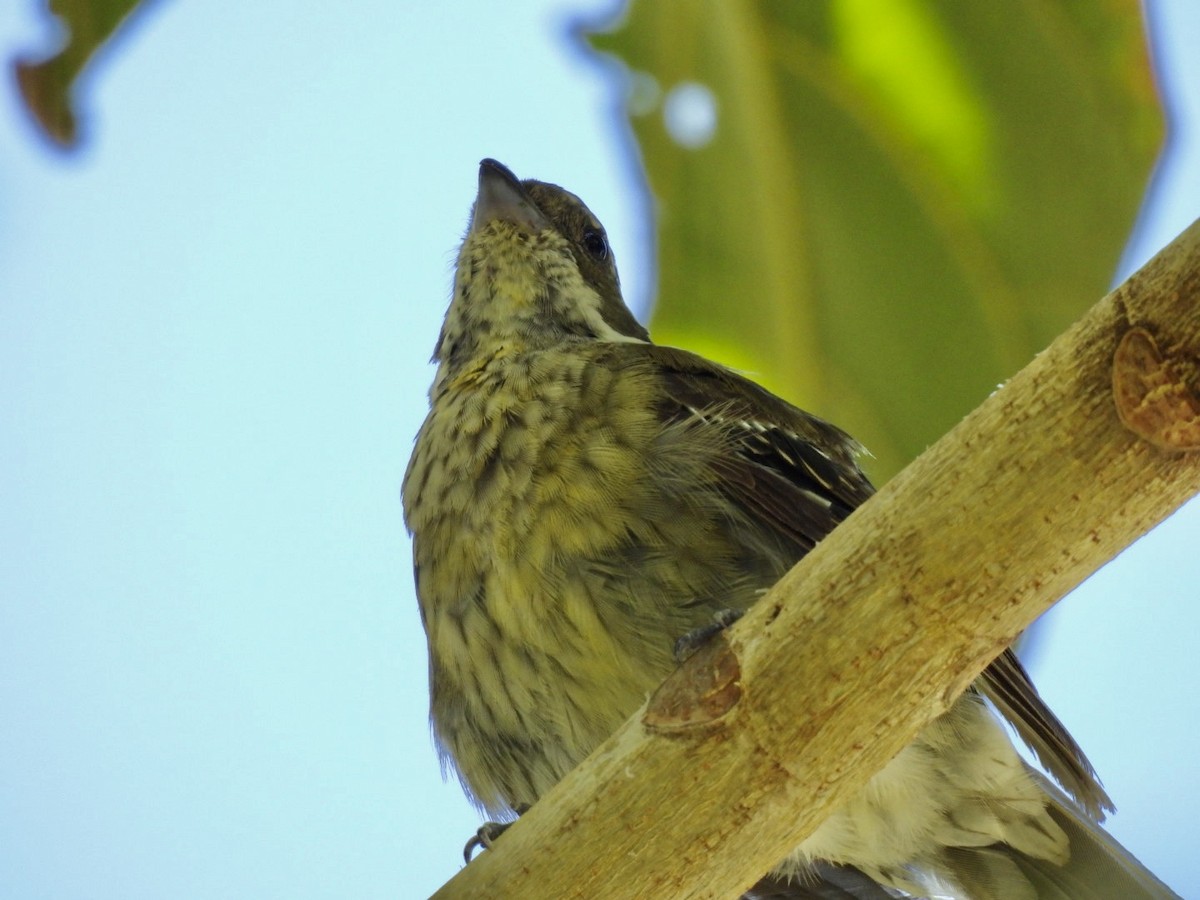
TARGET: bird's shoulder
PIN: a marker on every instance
(785, 468)
(689, 385)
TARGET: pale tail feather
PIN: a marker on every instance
(1099, 867)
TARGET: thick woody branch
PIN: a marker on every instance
(748, 747)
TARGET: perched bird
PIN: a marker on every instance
(580, 497)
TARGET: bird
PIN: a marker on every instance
(580, 497)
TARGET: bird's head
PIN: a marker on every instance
(535, 269)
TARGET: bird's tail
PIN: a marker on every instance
(822, 881)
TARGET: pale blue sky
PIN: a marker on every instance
(214, 327)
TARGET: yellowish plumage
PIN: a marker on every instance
(579, 498)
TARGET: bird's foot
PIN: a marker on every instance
(698, 637)
(488, 832)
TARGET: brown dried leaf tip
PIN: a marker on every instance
(1153, 399)
(699, 693)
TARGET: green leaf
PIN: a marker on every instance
(48, 85)
(900, 203)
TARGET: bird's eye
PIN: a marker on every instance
(595, 244)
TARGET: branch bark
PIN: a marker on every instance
(747, 747)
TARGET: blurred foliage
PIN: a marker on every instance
(47, 85)
(881, 210)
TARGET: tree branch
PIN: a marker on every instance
(745, 749)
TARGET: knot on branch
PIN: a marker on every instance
(699, 694)
(1154, 398)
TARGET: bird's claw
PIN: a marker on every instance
(483, 838)
(488, 833)
(698, 637)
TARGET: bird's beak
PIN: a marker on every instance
(501, 197)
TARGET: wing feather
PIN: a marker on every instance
(798, 475)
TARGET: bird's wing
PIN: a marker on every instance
(799, 475)
(786, 468)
